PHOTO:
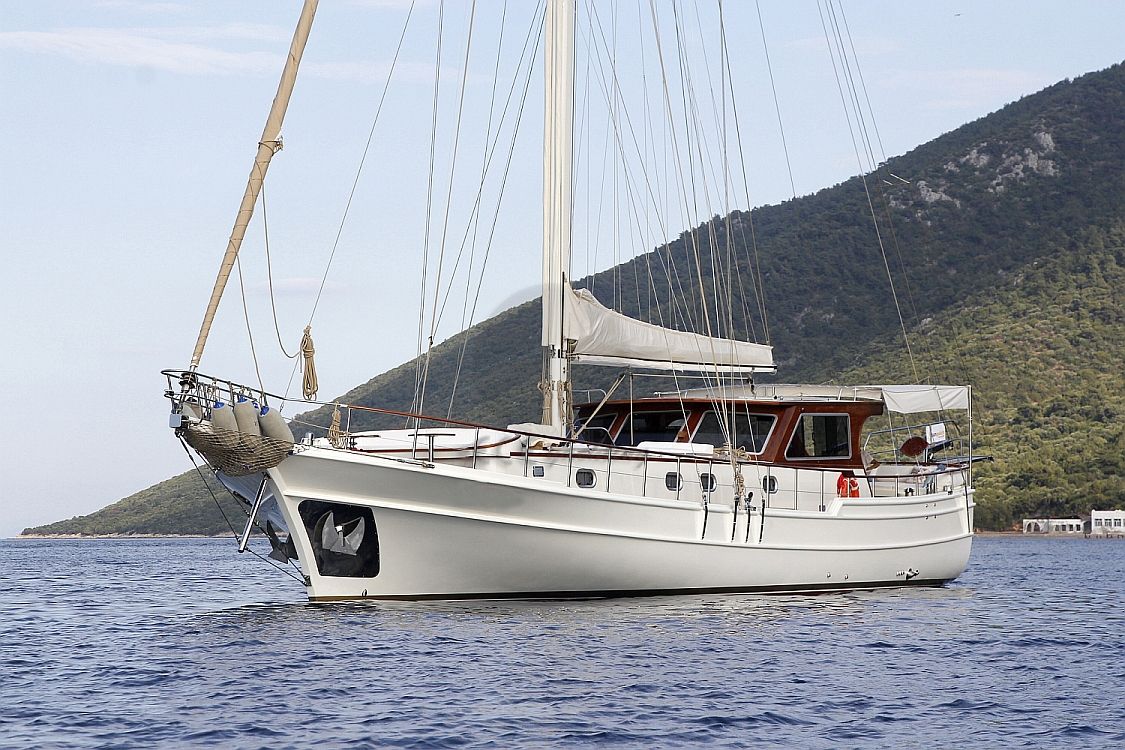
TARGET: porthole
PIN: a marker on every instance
(769, 485)
(585, 478)
(673, 481)
(707, 481)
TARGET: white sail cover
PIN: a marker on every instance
(606, 337)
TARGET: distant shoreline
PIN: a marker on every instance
(1021, 535)
(122, 536)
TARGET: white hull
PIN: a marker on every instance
(448, 532)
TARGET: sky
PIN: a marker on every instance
(127, 130)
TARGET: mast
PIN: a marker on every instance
(558, 126)
(269, 145)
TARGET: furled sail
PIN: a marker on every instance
(606, 337)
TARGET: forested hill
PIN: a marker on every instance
(1044, 349)
(1004, 238)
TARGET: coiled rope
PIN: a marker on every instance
(308, 365)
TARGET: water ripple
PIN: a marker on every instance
(153, 643)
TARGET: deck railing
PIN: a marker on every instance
(620, 462)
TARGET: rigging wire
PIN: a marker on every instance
(492, 141)
(448, 205)
(728, 199)
(362, 159)
(246, 317)
(474, 219)
(615, 106)
(230, 525)
(853, 93)
(720, 271)
(757, 284)
(691, 207)
(847, 65)
(863, 84)
(586, 138)
(867, 192)
(269, 277)
(776, 105)
(673, 278)
(666, 258)
(595, 23)
(649, 138)
(473, 224)
(615, 131)
(630, 188)
(725, 277)
(694, 127)
(928, 351)
(355, 182)
(500, 197)
(728, 238)
(429, 208)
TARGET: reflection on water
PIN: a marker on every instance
(137, 643)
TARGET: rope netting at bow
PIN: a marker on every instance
(231, 426)
(234, 453)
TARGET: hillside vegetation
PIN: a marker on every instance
(180, 505)
(1045, 352)
(1006, 249)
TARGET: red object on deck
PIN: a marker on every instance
(913, 447)
(847, 486)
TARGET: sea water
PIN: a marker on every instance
(180, 643)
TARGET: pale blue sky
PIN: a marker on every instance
(127, 129)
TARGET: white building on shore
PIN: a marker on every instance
(1053, 526)
(1107, 522)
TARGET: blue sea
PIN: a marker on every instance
(184, 643)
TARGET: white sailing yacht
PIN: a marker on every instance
(729, 487)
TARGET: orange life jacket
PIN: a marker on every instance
(847, 486)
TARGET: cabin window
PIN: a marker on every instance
(658, 426)
(707, 482)
(748, 431)
(673, 481)
(597, 429)
(584, 478)
(821, 436)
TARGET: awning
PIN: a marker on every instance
(902, 399)
(911, 399)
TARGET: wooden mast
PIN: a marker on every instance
(269, 145)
